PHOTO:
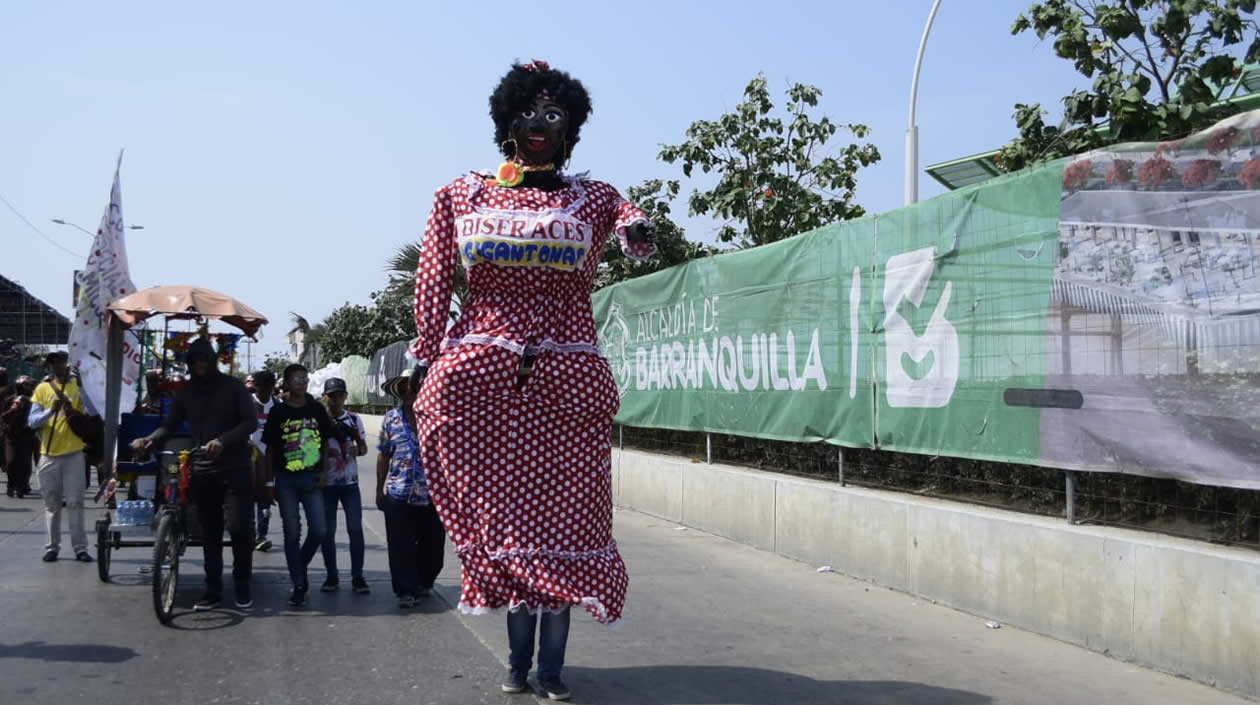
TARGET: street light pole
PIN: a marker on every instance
(912, 131)
(59, 221)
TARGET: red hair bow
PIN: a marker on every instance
(537, 66)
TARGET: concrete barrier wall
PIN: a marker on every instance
(1188, 608)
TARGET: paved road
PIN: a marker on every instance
(708, 622)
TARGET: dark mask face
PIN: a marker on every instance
(539, 131)
(60, 368)
(199, 365)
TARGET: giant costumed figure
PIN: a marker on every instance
(516, 408)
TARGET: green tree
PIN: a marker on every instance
(1157, 67)
(776, 176)
(276, 362)
(354, 329)
(393, 316)
(672, 247)
(346, 332)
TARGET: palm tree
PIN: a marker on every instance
(305, 345)
(311, 333)
(402, 273)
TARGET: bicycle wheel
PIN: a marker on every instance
(166, 568)
(104, 546)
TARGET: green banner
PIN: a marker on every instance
(750, 342)
(790, 340)
(962, 290)
(1100, 313)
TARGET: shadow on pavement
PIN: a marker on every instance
(737, 685)
(190, 621)
(80, 653)
(270, 603)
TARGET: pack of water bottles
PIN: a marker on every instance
(135, 512)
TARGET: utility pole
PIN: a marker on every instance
(912, 130)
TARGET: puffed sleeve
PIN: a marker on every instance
(625, 213)
(435, 277)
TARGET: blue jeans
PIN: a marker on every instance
(293, 488)
(552, 640)
(352, 501)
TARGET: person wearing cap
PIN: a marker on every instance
(348, 442)
(413, 530)
(220, 416)
(62, 469)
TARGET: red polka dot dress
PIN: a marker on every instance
(521, 476)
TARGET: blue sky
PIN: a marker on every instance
(310, 136)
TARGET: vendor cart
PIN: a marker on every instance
(156, 511)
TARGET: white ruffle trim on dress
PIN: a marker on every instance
(535, 552)
(591, 604)
(548, 345)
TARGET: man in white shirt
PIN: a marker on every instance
(264, 399)
(348, 442)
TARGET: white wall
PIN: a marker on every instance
(1185, 607)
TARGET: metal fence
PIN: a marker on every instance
(1214, 514)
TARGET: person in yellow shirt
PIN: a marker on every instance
(62, 473)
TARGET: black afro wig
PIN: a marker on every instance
(521, 86)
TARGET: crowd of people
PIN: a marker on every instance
(260, 447)
(501, 434)
(261, 444)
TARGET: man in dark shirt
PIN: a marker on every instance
(220, 416)
(296, 436)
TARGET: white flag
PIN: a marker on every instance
(105, 278)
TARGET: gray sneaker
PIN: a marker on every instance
(207, 602)
(515, 682)
(554, 688)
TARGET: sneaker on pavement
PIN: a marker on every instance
(244, 600)
(407, 601)
(554, 688)
(515, 682)
(361, 586)
(206, 603)
(50, 556)
(83, 557)
(330, 585)
(264, 545)
(297, 598)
